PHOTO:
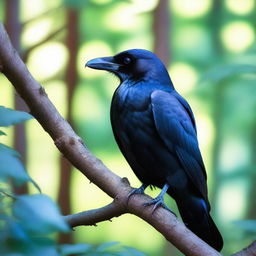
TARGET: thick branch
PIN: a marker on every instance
(75, 151)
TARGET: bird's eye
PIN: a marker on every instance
(127, 60)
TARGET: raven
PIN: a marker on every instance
(155, 130)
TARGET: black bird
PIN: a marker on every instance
(155, 129)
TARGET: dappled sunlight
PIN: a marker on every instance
(6, 100)
(235, 155)
(203, 34)
(43, 160)
(90, 196)
(38, 7)
(237, 36)
(91, 50)
(36, 31)
(184, 76)
(232, 201)
(205, 131)
(240, 7)
(47, 60)
(143, 5)
(124, 17)
(57, 92)
(27, 5)
(101, 1)
(189, 38)
(139, 41)
(87, 99)
(191, 9)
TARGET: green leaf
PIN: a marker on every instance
(2, 133)
(9, 116)
(247, 225)
(105, 246)
(11, 166)
(220, 73)
(15, 231)
(39, 214)
(68, 249)
(129, 251)
(76, 3)
(9, 150)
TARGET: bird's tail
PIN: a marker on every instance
(195, 214)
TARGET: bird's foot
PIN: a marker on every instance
(158, 202)
(139, 190)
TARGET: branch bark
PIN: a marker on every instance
(77, 153)
(248, 251)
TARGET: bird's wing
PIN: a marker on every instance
(175, 124)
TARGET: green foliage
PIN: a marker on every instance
(226, 71)
(9, 117)
(249, 226)
(27, 207)
(76, 3)
(11, 167)
(28, 222)
(105, 249)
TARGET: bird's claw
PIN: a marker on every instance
(135, 191)
(158, 202)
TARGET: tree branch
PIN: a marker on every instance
(95, 216)
(248, 251)
(76, 152)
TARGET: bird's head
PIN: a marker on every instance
(135, 65)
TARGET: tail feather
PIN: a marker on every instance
(195, 214)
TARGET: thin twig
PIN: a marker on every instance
(50, 36)
(42, 15)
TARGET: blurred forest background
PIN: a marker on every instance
(209, 48)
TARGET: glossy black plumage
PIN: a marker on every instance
(155, 129)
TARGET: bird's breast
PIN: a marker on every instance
(133, 97)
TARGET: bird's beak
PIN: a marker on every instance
(106, 63)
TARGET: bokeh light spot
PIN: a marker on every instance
(184, 76)
(234, 155)
(91, 50)
(205, 130)
(143, 5)
(57, 93)
(237, 36)
(232, 200)
(124, 17)
(191, 9)
(48, 59)
(240, 7)
(36, 31)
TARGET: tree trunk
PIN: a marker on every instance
(72, 42)
(13, 28)
(161, 30)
